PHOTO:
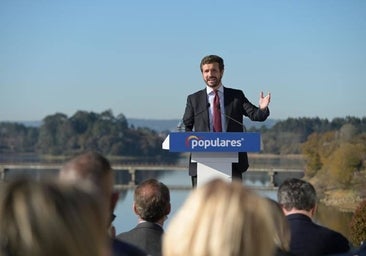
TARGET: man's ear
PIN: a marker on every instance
(134, 207)
(313, 210)
(286, 212)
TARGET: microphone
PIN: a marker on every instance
(232, 119)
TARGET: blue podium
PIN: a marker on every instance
(213, 152)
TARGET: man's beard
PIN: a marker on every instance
(216, 83)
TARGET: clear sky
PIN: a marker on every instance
(141, 58)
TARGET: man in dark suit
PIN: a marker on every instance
(232, 105)
(298, 200)
(152, 206)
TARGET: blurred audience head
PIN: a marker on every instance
(221, 218)
(47, 218)
(94, 168)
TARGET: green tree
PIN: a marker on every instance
(15, 137)
(52, 136)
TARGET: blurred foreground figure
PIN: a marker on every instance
(282, 235)
(46, 218)
(95, 169)
(221, 218)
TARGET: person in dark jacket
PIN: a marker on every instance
(298, 201)
(152, 206)
(231, 106)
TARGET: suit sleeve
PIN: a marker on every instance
(253, 112)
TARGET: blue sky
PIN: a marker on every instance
(141, 58)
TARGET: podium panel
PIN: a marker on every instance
(214, 152)
(212, 142)
(214, 165)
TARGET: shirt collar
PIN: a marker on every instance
(209, 90)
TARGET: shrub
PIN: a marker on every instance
(358, 224)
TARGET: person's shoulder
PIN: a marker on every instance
(332, 233)
(199, 92)
(121, 248)
(126, 234)
(121, 235)
(335, 240)
(234, 90)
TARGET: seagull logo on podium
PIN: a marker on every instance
(189, 139)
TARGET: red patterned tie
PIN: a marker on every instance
(216, 113)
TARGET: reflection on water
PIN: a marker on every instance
(126, 219)
(256, 179)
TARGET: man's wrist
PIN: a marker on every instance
(263, 109)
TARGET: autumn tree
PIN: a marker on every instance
(344, 162)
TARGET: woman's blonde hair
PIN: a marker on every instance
(282, 235)
(46, 218)
(221, 218)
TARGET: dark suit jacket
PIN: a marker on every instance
(147, 236)
(196, 118)
(311, 239)
(121, 248)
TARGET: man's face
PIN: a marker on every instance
(212, 75)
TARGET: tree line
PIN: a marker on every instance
(334, 151)
(103, 132)
(322, 142)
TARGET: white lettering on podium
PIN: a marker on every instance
(205, 143)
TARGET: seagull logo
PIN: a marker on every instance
(189, 139)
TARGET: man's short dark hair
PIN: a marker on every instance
(296, 194)
(209, 59)
(152, 200)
